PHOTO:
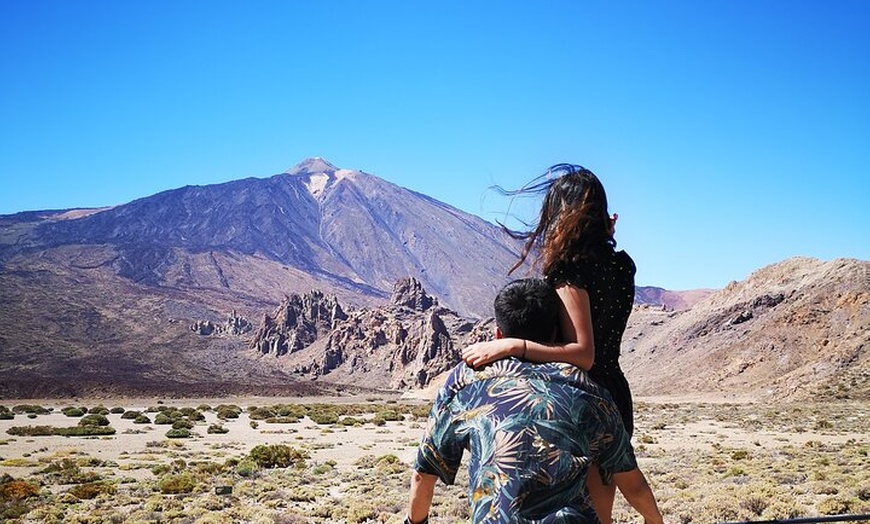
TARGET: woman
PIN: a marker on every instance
(573, 245)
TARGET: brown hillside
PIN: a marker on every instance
(794, 329)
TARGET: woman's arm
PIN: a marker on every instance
(577, 346)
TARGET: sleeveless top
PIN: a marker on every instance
(608, 278)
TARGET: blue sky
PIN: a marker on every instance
(729, 134)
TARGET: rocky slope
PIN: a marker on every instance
(800, 328)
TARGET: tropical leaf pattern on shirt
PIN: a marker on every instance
(532, 430)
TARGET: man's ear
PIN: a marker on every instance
(498, 333)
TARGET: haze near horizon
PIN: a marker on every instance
(729, 135)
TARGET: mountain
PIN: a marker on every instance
(345, 229)
(797, 329)
(97, 299)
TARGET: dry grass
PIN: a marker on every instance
(706, 462)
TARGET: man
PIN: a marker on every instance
(532, 430)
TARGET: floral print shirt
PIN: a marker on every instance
(532, 430)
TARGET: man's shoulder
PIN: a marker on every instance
(462, 375)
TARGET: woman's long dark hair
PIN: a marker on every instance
(573, 224)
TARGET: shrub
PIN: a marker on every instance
(131, 414)
(282, 420)
(182, 423)
(323, 417)
(391, 415)
(163, 419)
(178, 433)
(91, 490)
(217, 429)
(142, 419)
(261, 413)
(228, 411)
(277, 456)
(196, 416)
(17, 490)
(31, 431)
(98, 410)
(118, 410)
(246, 468)
(73, 412)
(5, 414)
(94, 420)
(84, 431)
(174, 484)
(30, 408)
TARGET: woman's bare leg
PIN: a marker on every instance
(601, 496)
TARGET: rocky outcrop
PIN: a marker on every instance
(234, 325)
(400, 345)
(297, 323)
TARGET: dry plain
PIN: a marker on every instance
(346, 460)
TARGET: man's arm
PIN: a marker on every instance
(422, 490)
(633, 486)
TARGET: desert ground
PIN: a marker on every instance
(347, 459)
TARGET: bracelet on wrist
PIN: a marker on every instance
(525, 348)
(409, 521)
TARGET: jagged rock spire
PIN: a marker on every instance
(409, 292)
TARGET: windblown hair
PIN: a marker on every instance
(527, 308)
(573, 225)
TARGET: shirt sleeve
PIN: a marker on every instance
(440, 451)
(568, 275)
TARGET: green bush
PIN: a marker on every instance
(84, 431)
(182, 423)
(163, 419)
(178, 433)
(261, 413)
(131, 414)
(282, 420)
(7, 415)
(175, 484)
(30, 408)
(31, 431)
(323, 417)
(94, 420)
(98, 410)
(118, 410)
(142, 419)
(217, 429)
(246, 468)
(196, 416)
(277, 456)
(228, 411)
(73, 412)
(390, 415)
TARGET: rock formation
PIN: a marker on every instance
(297, 323)
(234, 325)
(403, 344)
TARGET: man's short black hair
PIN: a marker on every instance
(527, 308)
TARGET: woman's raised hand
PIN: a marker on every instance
(483, 353)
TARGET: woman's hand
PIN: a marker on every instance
(483, 353)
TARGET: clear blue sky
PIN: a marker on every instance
(729, 134)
